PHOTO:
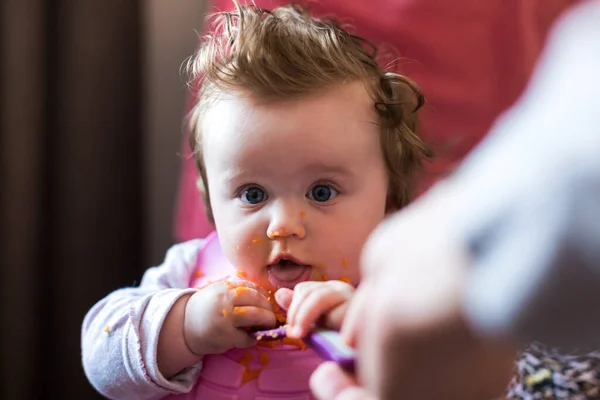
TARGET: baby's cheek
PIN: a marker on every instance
(352, 278)
(249, 256)
(344, 272)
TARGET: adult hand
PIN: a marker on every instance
(406, 318)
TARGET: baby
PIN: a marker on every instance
(303, 145)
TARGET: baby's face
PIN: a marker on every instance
(295, 187)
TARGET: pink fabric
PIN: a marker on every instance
(257, 373)
(471, 58)
(283, 373)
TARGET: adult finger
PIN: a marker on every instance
(330, 382)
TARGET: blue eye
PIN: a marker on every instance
(253, 195)
(322, 193)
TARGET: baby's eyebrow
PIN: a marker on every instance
(232, 174)
(325, 168)
(235, 174)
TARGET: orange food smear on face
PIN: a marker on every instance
(321, 266)
(345, 279)
(302, 214)
(344, 262)
(199, 273)
(257, 240)
(324, 277)
(241, 274)
(275, 234)
(225, 313)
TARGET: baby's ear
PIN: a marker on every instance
(283, 297)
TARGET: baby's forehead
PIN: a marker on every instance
(351, 95)
(315, 128)
(326, 110)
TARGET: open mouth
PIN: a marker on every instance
(288, 272)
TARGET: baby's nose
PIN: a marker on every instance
(286, 221)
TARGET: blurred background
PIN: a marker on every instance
(92, 101)
(94, 185)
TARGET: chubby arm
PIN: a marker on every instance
(120, 333)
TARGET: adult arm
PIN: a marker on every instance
(530, 198)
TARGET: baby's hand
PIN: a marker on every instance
(310, 301)
(216, 315)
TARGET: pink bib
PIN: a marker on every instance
(264, 372)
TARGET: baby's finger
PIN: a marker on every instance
(335, 318)
(240, 339)
(249, 284)
(249, 296)
(284, 297)
(305, 289)
(301, 292)
(244, 316)
(317, 303)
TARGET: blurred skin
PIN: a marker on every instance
(405, 319)
(295, 187)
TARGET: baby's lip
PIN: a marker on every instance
(286, 258)
(288, 275)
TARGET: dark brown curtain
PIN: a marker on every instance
(70, 181)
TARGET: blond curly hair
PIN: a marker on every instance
(285, 52)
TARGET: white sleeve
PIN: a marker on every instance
(120, 333)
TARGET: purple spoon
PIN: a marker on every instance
(270, 335)
(326, 343)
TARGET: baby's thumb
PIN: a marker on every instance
(283, 297)
(334, 319)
